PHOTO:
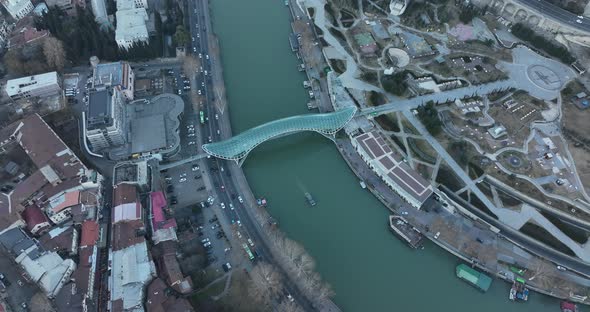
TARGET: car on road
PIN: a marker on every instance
(194, 48)
(191, 135)
(192, 143)
(182, 175)
(240, 199)
(207, 245)
(209, 139)
(290, 297)
(231, 206)
(222, 205)
(250, 242)
(223, 189)
(216, 117)
(214, 226)
(200, 55)
(227, 249)
(226, 267)
(199, 91)
(195, 168)
(207, 56)
(204, 240)
(182, 180)
(579, 21)
(218, 132)
(559, 267)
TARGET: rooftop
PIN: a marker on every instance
(58, 168)
(393, 165)
(131, 270)
(111, 74)
(131, 25)
(99, 109)
(240, 145)
(89, 236)
(25, 84)
(159, 218)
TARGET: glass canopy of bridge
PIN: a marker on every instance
(237, 147)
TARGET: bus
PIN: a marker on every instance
(202, 117)
(247, 249)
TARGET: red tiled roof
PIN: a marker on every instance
(89, 234)
(124, 194)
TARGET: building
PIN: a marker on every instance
(25, 33)
(45, 268)
(131, 4)
(41, 85)
(160, 299)
(18, 8)
(131, 27)
(105, 122)
(63, 240)
(168, 267)
(392, 169)
(37, 221)
(131, 265)
(497, 131)
(117, 75)
(56, 174)
(416, 46)
(163, 226)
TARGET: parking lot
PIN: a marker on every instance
(187, 183)
(18, 290)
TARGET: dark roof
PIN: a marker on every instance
(69, 299)
(99, 109)
(16, 241)
(33, 216)
(126, 234)
(61, 241)
(160, 299)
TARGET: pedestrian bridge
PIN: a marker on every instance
(238, 147)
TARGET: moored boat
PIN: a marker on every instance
(473, 277)
(309, 199)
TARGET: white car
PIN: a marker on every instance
(199, 91)
(239, 223)
(222, 205)
(191, 134)
(216, 117)
(231, 206)
(579, 21)
(182, 180)
(559, 267)
(207, 56)
(250, 242)
(195, 169)
(183, 175)
(192, 143)
(240, 199)
(200, 55)
(205, 240)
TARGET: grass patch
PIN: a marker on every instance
(448, 178)
(477, 203)
(573, 232)
(545, 237)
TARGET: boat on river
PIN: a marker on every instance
(310, 199)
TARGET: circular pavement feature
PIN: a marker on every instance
(544, 77)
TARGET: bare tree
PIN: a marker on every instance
(54, 52)
(289, 306)
(266, 282)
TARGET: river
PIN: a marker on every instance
(346, 233)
